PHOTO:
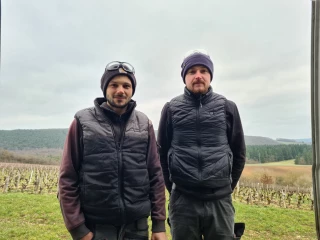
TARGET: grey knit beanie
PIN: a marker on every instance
(194, 59)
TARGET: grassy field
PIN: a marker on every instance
(284, 173)
(278, 170)
(280, 163)
(282, 169)
(37, 216)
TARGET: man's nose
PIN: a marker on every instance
(120, 90)
(198, 74)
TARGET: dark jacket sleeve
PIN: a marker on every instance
(157, 188)
(236, 141)
(68, 184)
(164, 143)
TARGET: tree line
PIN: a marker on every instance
(14, 140)
(302, 153)
(32, 138)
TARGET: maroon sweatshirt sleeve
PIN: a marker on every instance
(236, 141)
(68, 184)
(157, 187)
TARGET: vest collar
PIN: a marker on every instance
(102, 112)
(202, 98)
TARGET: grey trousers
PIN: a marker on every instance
(194, 219)
(135, 231)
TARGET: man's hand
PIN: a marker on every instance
(89, 236)
(159, 236)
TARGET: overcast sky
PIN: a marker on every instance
(54, 53)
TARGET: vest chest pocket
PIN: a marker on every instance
(170, 160)
(135, 142)
(171, 157)
(230, 159)
(137, 193)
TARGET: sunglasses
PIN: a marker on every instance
(116, 65)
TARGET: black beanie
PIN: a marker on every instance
(109, 74)
(196, 59)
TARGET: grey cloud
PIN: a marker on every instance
(54, 53)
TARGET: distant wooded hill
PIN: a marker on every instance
(32, 139)
(253, 140)
(302, 153)
(295, 141)
(54, 138)
(30, 142)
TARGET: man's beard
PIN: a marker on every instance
(113, 104)
(199, 91)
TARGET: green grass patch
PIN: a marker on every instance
(275, 223)
(31, 216)
(36, 216)
(280, 163)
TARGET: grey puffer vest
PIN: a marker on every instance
(114, 180)
(200, 156)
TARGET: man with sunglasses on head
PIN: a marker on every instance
(202, 154)
(110, 175)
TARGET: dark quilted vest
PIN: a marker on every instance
(114, 181)
(200, 156)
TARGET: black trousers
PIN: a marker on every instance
(194, 219)
(134, 231)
